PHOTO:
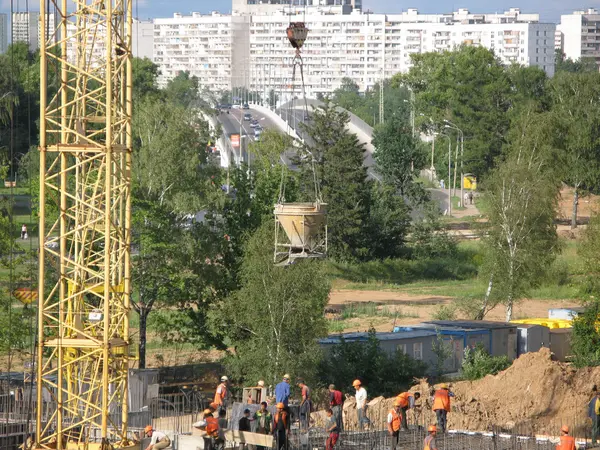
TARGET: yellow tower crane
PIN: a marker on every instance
(85, 224)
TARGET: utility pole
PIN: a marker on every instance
(432, 168)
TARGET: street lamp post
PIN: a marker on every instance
(449, 172)
(462, 153)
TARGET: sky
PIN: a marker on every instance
(549, 10)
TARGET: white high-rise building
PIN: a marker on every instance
(211, 47)
(3, 33)
(250, 48)
(27, 28)
(578, 35)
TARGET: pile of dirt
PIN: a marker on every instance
(536, 395)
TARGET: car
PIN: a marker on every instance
(247, 117)
(254, 124)
(257, 132)
(306, 117)
(246, 106)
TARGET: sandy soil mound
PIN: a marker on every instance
(536, 395)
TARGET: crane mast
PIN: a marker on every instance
(85, 224)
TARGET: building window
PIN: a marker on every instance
(418, 351)
(537, 33)
(401, 348)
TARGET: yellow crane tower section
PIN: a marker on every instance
(85, 224)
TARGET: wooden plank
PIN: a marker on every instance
(245, 437)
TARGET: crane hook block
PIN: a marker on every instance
(297, 33)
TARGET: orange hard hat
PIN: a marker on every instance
(356, 383)
(397, 402)
(207, 412)
(431, 429)
(148, 429)
(280, 405)
(564, 429)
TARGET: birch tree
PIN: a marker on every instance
(274, 320)
(521, 239)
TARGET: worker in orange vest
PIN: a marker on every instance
(221, 394)
(429, 442)
(566, 442)
(407, 401)
(441, 405)
(394, 422)
(210, 425)
(281, 427)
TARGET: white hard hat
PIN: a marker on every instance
(261, 383)
(224, 378)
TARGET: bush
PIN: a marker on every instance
(478, 363)
(382, 373)
(445, 312)
(585, 339)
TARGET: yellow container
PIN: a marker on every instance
(550, 323)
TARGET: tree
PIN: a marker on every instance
(521, 195)
(400, 158)
(469, 87)
(585, 339)
(183, 90)
(145, 73)
(171, 166)
(588, 250)
(274, 320)
(564, 64)
(347, 95)
(389, 223)
(576, 105)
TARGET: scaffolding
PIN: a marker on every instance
(85, 223)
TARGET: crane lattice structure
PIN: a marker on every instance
(85, 224)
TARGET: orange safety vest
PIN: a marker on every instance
(212, 426)
(284, 418)
(394, 425)
(219, 397)
(404, 399)
(427, 442)
(441, 400)
(566, 443)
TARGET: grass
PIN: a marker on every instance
(370, 309)
(455, 207)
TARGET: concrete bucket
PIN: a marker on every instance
(305, 226)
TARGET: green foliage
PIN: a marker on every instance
(366, 105)
(585, 339)
(430, 239)
(443, 351)
(568, 65)
(145, 73)
(589, 252)
(445, 312)
(183, 90)
(389, 218)
(382, 373)
(576, 111)
(477, 363)
(336, 157)
(274, 320)
(469, 87)
(400, 158)
(521, 241)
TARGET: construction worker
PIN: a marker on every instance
(244, 425)
(407, 401)
(210, 425)
(158, 441)
(223, 425)
(429, 442)
(336, 402)
(264, 421)
(441, 405)
(332, 429)
(394, 422)
(361, 404)
(566, 442)
(221, 394)
(281, 426)
(417, 410)
(257, 394)
(282, 391)
(305, 405)
(592, 405)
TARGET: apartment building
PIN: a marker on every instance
(211, 47)
(26, 27)
(578, 35)
(369, 47)
(250, 47)
(3, 33)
